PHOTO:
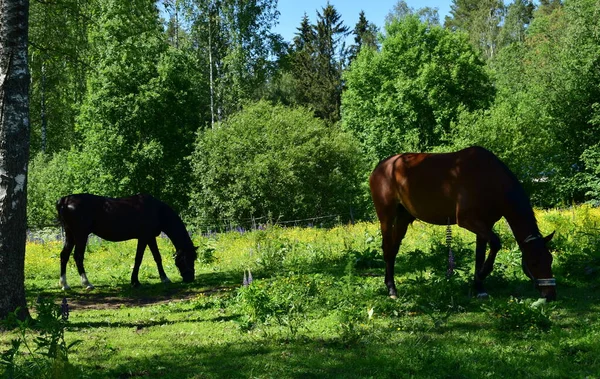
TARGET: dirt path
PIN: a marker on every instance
(102, 300)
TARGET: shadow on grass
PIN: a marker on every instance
(399, 356)
(122, 295)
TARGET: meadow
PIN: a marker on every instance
(300, 302)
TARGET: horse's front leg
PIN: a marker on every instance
(139, 254)
(480, 249)
(79, 253)
(157, 258)
(483, 266)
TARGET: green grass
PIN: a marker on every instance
(318, 307)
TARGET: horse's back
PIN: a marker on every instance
(113, 219)
(432, 186)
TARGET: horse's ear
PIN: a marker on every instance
(548, 238)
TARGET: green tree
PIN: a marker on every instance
(548, 6)
(481, 19)
(545, 113)
(518, 17)
(318, 58)
(141, 109)
(405, 97)
(273, 161)
(233, 42)
(401, 10)
(365, 35)
(591, 176)
(58, 63)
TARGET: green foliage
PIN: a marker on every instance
(273, 161)
(516, 315)
(542, 120)
(141, 108)
(319, 314)
(591, 177)
(368, 256)
(365, 36)
(47, 183)
(405, 97)
(233, 44)
(47, 355)
(283, 301)
(58, 54)
(577, 245)
(481, 20)
(316, 61)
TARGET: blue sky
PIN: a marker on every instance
(375, 11)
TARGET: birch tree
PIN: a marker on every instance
(14, 154)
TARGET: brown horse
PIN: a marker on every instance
(471, 188)
(140, 217)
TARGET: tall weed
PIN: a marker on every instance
(40, 349)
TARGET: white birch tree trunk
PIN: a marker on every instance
(14, 154)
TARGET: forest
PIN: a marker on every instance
(201, 104)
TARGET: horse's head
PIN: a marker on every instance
(184, 260)
(537, 264)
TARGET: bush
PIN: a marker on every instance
(274, 162)
(63, 173)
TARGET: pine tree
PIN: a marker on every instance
(365, 34)
(318, 58)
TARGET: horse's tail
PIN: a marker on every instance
(60, 207)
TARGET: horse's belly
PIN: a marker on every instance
(432, 211)
(450, 220)
(114, 236)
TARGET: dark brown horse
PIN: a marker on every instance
(471, 188)
(140, 217)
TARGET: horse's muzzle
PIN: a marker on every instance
(547, 288)
(549, 295)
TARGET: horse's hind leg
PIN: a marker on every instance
(79, 253)
(64, 258)
(157, 258)
(393, 230)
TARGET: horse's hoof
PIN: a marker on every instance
(135, 285)
(393, 297)
(165, 280)
(89, 287)
(482, 295)
(65, 287)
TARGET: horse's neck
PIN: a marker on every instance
(523, 224)
(174, 228)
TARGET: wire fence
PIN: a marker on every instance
(261, 223)
(54, 232)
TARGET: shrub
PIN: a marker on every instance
(276, 162)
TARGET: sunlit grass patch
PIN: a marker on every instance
(317, 306)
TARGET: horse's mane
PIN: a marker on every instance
(516, 195)
(175, 229)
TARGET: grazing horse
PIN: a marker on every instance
(471, 188)
(140, 217)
